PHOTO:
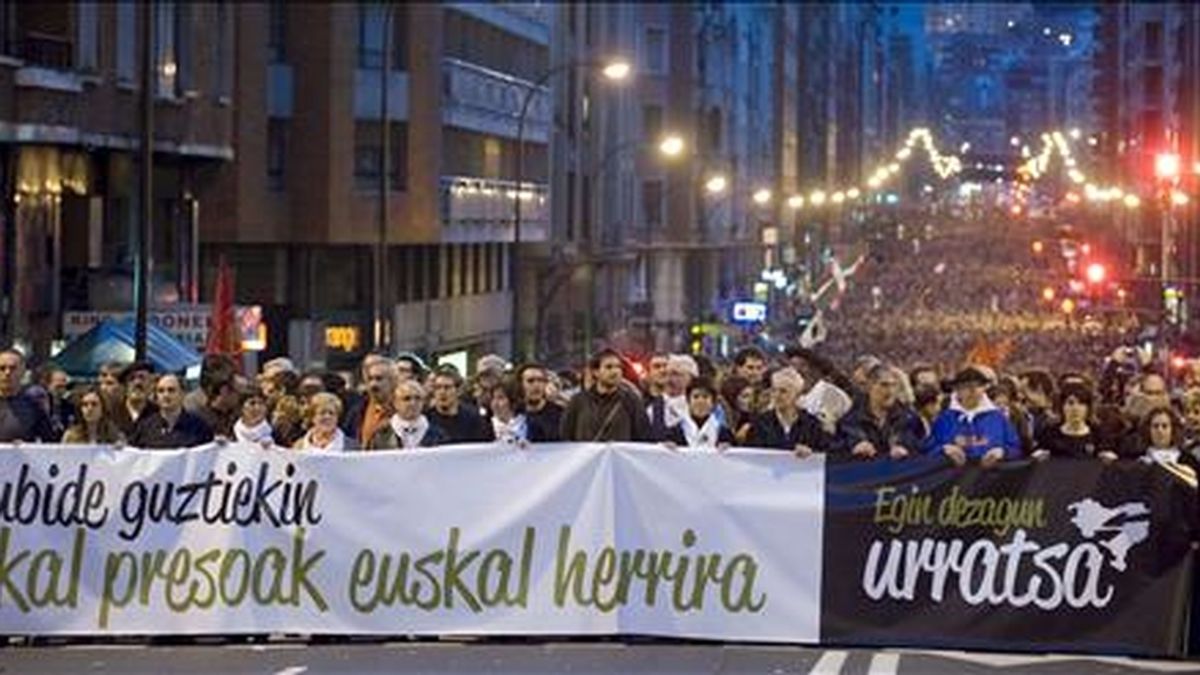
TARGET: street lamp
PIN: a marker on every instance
(716, 185)
(762, 196)
(1166, 166)
(616, 70)
(671, 146)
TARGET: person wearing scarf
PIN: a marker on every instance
(973, 427)
(1161, 431)
(668, 409)
(252, 425)
(324, 433)
(408, 427)
(787, 426)
(509, 425)
(700, 430)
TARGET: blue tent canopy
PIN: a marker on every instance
(114, 341)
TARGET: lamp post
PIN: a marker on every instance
(616, 71)
(1166, 170)
(379, 322)
(141, 271)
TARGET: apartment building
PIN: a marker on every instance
(70, 102)
(299, 211)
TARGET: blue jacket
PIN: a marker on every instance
(976, 432)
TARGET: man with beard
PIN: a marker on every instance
(136, 380)
(376, 408)
(606, 411)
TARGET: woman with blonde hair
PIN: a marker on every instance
(323, 434)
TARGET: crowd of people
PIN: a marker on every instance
(935, 296)
(798, 402)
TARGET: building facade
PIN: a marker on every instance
(70, 142)
(300, 212)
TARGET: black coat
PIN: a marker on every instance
(901, 427)
(25, 421)
(151, 431)
(545, 425)
(465, 426)
(768, 432)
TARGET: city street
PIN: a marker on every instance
(447, 657)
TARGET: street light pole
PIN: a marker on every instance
(615, 70)
(379, 320)
(141, 271)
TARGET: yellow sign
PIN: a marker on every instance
(343, 338)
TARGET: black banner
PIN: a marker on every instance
(1067, 555)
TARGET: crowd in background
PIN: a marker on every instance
(798, 402)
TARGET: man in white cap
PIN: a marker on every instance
(668, 409)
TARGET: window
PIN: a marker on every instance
(127, 40)
(276, 154)
(87, 46)
(223, 54)
(652, 118)
(277, 32)
(367, 156)
(1154, 40)
(652, 207)
(370, 35)
(654, 50)
(371, 21)
(166, 59)
(714, 129)
(1153, 84)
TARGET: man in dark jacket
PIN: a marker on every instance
(880, 425)
(21, 418)
(609, 410)
(461, 422)
(543, 417)
(170, 426)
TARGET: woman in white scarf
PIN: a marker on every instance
(408, 427)
(700, 430)
(252, 426)
(324, 434)
(508, 424)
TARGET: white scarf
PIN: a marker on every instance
(704, 436)
(409, 433)
(336, 444)
(259, 433)
(675, 409)
(513, 431)
(985, 405)
(1164, 455)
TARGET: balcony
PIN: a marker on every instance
(488, 101)
(530, 20)
(481, 209)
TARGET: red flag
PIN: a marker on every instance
(224, 336)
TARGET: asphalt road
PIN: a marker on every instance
(583, 657)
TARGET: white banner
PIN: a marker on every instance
(558, 539)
